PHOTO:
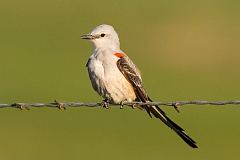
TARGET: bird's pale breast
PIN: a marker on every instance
(108, 81)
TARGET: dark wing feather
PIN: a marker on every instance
(131, 73)
(129, 70)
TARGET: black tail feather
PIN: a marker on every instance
(158, 113)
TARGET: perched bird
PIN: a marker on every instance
(117, 79)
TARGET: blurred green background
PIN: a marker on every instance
(186, 50)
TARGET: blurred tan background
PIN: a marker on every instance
(186, 50)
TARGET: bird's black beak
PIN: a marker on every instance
(87, 36)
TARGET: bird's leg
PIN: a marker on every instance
(105, 103)
(122, 104)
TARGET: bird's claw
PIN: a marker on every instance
(105, 103)
(122, 104)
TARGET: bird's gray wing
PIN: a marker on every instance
(132, 74)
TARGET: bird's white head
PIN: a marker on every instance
(103, 36)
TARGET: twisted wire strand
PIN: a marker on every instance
(64, 105)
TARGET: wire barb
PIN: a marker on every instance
(59, 105)
(176, 106)
(21, 106)
(64, 105)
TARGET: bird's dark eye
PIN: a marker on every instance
(102, 35)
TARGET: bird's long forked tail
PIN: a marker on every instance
(131, 73)
(158, 113)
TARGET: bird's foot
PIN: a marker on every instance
(134, 106)
(105, 103)
(122, 104)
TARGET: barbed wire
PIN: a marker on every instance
(63, 105)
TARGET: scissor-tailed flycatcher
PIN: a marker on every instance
(116, 78)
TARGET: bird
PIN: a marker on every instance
(117, 79)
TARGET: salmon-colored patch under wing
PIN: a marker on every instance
(119, 55)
